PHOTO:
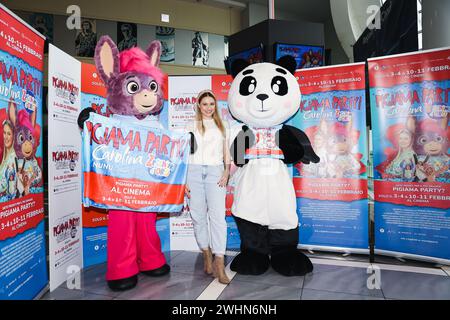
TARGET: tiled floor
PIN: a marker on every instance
(333, 278)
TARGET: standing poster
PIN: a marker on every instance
(183, 92)
(23, 267)
(64, 166)
(95, 221)
(182, 99)
(221, 86)
(410, 99)
(332, 195)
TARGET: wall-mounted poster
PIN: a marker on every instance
(166, 35)
(200, 49)
(43, 23)
(126, 35)
(225, 47)
(86, 38)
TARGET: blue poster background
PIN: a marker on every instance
(332, 206)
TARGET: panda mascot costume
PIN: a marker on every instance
(263, 96)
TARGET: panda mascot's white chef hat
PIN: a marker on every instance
(264, 94)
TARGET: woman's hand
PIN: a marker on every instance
(224, 179)
(187, 191)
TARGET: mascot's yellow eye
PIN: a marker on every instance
(132, 87)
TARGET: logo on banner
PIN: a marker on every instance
(65, 89)
(183, 103)
(65, 159)
(66, 228)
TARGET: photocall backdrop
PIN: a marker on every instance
(332, 113)
(409, 92)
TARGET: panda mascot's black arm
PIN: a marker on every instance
(295, 146)
(244, 140)
(265, 206)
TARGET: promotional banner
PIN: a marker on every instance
(95, 221)
(183, 92)
(221, 86)
(130, 166)
(23, 267)
(409, 97)
(182, 98)
(64, 166)
(332, 195)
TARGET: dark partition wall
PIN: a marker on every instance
(398, 32)
(270, 32)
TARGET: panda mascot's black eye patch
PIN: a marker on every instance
(247, 86)
(279, 86)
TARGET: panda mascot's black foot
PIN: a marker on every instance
(250, 263)
(291, 262)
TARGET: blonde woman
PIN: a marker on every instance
(8, 184)
(208, 173)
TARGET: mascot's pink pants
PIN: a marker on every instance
(133, 244)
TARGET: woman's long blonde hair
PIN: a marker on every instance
(5, 151)
(216, 116)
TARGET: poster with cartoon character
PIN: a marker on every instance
(23, 269)
(410, 111)
(332, 195)
(182, 93)
(221, 86)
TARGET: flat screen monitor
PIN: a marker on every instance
(306, 56)
(252, 55)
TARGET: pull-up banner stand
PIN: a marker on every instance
(410, 99)
(23, 266)
(332, 195)
(64, 167)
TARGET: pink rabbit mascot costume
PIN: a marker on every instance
(134, 90)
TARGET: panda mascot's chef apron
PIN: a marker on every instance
(264, 193)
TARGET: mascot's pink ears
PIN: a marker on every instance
(107, 57)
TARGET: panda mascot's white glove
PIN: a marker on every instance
(263, 97)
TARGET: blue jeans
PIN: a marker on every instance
(207, 207)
